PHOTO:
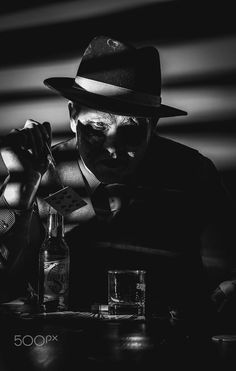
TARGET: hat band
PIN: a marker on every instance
(109, 90)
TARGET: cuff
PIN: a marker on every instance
(7, 216)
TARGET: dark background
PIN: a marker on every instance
(197, 44)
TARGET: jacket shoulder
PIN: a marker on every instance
(175, 165)
(170, 147)
(64, 151)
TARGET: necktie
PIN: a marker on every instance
(108, 199)
(100, 202)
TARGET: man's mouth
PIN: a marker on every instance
(114, 163)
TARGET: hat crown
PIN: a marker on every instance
(113, 62)
(116, 77)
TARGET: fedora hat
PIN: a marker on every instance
(116, 77)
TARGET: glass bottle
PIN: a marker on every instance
(54, 265)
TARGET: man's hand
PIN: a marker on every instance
(224, 296)
(25, 153)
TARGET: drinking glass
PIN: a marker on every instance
(126, 292)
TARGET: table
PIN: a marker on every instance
(81, 341)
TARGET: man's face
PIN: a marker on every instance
(111, 146)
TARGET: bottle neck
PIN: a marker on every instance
(55, 227)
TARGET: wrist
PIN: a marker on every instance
(21, 196)
(7, 216)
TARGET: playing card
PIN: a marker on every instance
(65, 201)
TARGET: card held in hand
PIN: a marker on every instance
(65, 201)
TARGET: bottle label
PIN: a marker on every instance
(56, 275)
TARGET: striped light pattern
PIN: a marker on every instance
(198, 76)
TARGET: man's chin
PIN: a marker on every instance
(108, 175)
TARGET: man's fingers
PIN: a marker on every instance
(30, 123)
(16, 138)
(35, 141)
(34, 144)
(46, 128)
(42, 132)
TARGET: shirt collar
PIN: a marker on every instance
(93, 182)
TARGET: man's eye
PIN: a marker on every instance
(99, 126)
(133, 123)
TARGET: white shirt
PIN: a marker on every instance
(93, 182)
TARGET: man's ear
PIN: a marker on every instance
(71, 113)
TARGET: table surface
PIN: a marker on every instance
(58, 342)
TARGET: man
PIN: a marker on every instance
(161, 198)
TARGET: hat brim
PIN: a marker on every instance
(65, 87)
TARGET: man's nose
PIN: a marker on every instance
(111, 141)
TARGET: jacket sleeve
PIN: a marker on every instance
(217, 212)
(219, 240)
(4, 175)
(7, 216)
(19, 247)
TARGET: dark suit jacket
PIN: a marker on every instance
(169, 206)
(174, 210)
